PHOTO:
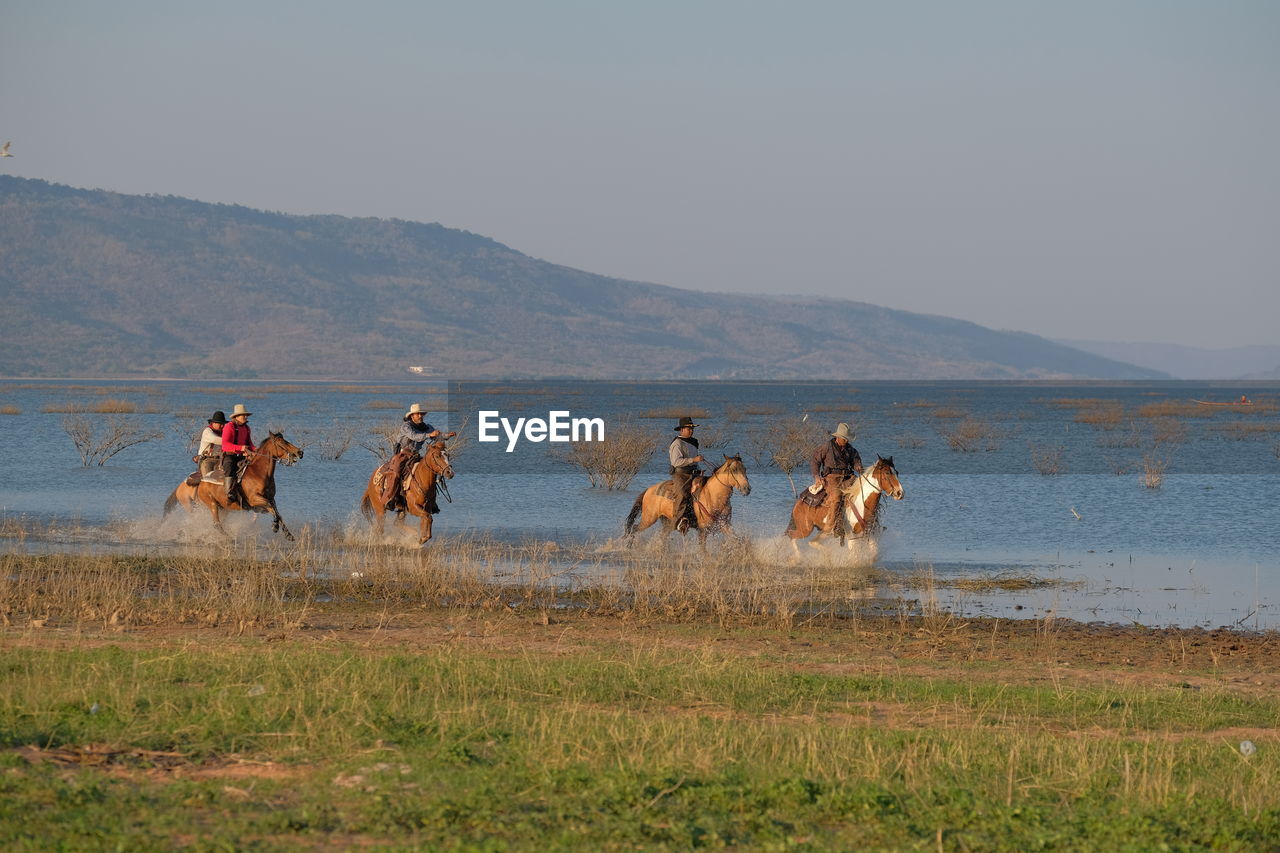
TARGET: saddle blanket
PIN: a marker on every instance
(667, 488)
(380, 477)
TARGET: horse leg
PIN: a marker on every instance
(277, 524)
(424, 532)
(216, 511)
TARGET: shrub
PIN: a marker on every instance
(98, 439)
(613, 463)
(970, 435)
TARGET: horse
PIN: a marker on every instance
(861, 506)
(710, 501)
(258, 485)
(419, 496)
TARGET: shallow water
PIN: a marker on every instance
(1202, 549)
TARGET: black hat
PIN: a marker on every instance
(685, 422)
(219, 418)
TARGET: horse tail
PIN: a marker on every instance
(629, 526)
(366, 506)
(169, 503)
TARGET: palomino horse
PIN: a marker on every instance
(710, 501)
(419, 497)
(861, 505)
(258, 485)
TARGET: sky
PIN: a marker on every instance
(1082, 170)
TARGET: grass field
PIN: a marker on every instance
(358, 719)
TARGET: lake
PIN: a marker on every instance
(1041, 480)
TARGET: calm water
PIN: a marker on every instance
(1202, 549)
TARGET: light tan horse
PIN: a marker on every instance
(710, 501)
(861, 507)
(424, 481)
(258, 485)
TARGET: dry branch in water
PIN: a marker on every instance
(97, 439)
(971, 435)
(614, 462)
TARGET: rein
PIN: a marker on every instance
(715, 516)
(438, 480)
(876, 489)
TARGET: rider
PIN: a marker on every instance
(684, 457)
(236, 441)
(210, 453)
(414, 433)
(832, 463)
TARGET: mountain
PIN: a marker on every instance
(1190, 362)
(101, 283)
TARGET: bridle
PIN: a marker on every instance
(876, 488)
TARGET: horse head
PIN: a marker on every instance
(736, 472)
(885, 477)
(437, 460)
(281, 449)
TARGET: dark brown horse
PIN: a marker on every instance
(258, 485)
(861, 506)
(419, 496)
(710, 501)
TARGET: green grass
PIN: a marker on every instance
(606, 745)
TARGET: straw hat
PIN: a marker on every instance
(239, 410)
(219, 417)
(685, 422)
(843, 431)
(415, 409)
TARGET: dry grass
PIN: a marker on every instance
(1168, 431)
(1153, 468)
(1107, 416)
(835, 407)
(1048, 460)
(1130, 437)
(108, 406)
(1175, 409)
(247, 584)
(1244, 431)
(674, 414)
(971, 435)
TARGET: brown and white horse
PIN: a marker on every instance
(258, 486)
(861, 506)
(420, 496)
(710, 501)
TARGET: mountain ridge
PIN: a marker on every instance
(128, 285)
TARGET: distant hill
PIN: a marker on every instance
(100, 283)
(1191, 362)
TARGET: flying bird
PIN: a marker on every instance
(4, 150)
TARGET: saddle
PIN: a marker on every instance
(667, 488)
(814, 499)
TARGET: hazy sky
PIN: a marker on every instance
(1105, 170)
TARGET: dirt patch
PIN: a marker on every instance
(145, 762)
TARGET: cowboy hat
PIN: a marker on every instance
(686, 421)
(843, 431)
(219, 417)
(239, 410)
(415, 409)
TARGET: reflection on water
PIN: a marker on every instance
(1203, 549)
